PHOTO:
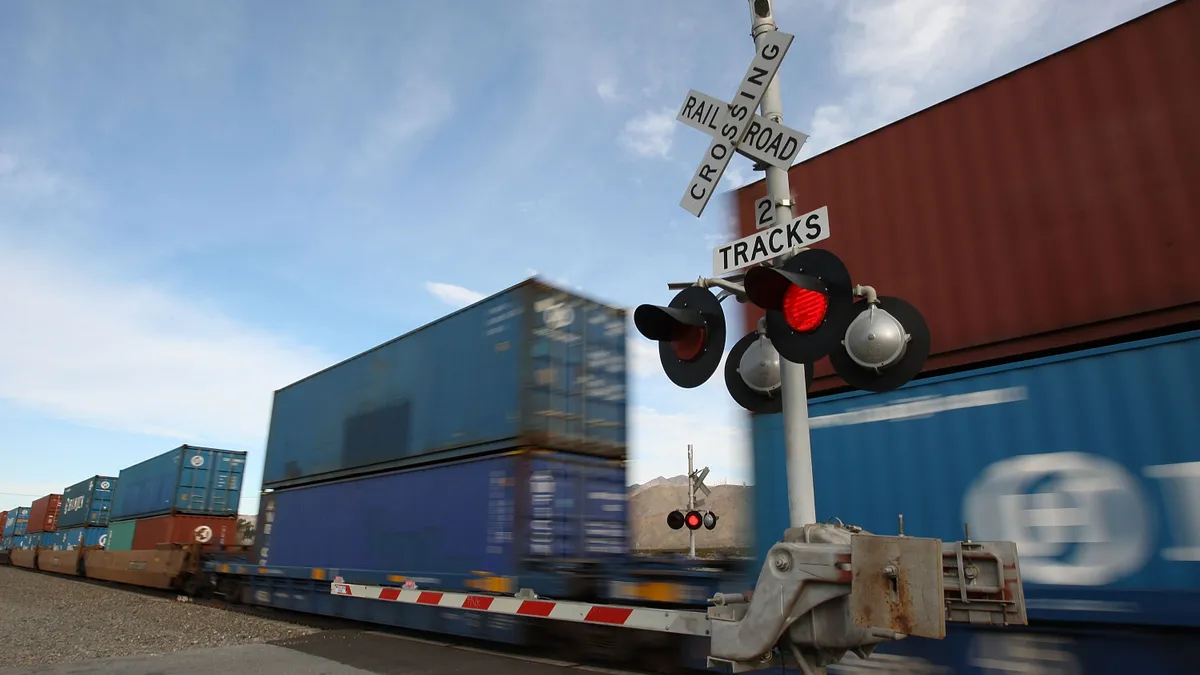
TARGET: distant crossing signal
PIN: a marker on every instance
(675, 520)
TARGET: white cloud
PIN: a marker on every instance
(900, 56)
(650, 133)
(82, 345)
(453, 295)
(607, 88)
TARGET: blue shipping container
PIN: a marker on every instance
(1088, 461)
(532, 366)
(6, 543)
(27, 542)
(17, 521)
(187, 480)
(442, 525)
(87, 502)
(73, 538)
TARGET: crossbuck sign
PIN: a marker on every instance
(730, 123)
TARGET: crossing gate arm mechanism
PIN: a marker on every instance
(829, 589)
(527, 604)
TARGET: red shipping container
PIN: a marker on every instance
(1053, 207)
(43, 514)
(3, 519)
(210, 531)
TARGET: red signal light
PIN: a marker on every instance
(693, 520)
(689, 343)
(803, 309)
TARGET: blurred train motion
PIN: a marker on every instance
(1045, 223)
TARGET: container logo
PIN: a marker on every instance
(72, 504)
(196, 461)
(203, 534)
(104, 539)
(104, 485)
(1077, 519)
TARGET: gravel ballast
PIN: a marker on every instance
(46, 619)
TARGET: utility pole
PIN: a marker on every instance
(797, 446)
(691, 504)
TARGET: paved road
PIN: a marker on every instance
(339, 652)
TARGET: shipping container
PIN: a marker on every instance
(532, 366)
(452, 524)
(1052, 207)
(6, 543)
(210, 531)
(75, 537)
(43, 514)
(17, 522)
(1057, 651)
(3, 519)
(26, 542)
(120, 535)
(87, 503)
(187, 480)
(1088, 461)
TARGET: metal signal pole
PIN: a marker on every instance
(691, 504)
(798, 447)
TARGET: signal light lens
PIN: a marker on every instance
(675, 520)
(710, 520)
(689, 343)
(693, 520)
(804, 310)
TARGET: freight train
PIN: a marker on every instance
(1056, 409)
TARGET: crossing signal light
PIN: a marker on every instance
(694, 520)
(886, 343)
(675, 520)
(690, 332)
(710, 520)
(753, 375)
(808, 303)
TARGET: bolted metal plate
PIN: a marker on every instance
(896, 583)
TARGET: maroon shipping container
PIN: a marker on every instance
(3, 519)
(211, 531)
(1052, 207)
(43, 514)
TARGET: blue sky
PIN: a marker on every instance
(203, 202)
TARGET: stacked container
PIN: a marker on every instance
(17, 522)
(43, 515)
(187, 495)
(472, 445)
(83, 518)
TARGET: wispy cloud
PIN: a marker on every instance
(81, 344)
(607, 88)
(660, 440)
(419, 104)
(650, 133)
(453, 295)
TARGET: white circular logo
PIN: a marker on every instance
(197, 460)
(104, 485)
(559, 316)
(203, 534)
(104, 539)
(1078, 519)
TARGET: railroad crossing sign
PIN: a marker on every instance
(764, 141)
(734, 121)
(698, 482)
(772, 242)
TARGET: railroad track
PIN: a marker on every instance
(589, 658)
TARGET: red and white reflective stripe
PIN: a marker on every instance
(640, 618)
